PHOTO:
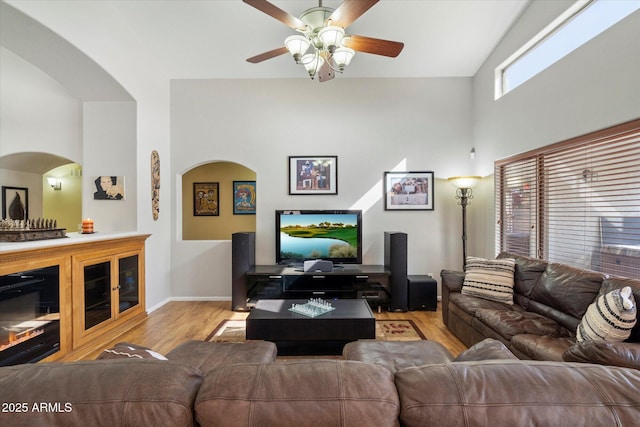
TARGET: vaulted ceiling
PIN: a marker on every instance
(213, 38)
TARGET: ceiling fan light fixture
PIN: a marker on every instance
(297, 45)
(321, 44)
(342, 57)
(331, 37)
(312, 63)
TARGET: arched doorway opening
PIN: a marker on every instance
(211, 193)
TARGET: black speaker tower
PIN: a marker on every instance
(243, 257)
(395, 260)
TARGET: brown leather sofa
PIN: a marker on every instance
(550, 300)
(315, 392)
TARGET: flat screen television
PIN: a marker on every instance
(333, 235)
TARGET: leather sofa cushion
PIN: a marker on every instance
(205, 355)
(566, 289)
(470, 304)
(604, 353)
(125, 392)
(306, 392)
(527, 273)
(542, 347)
(486, 349)
(518, 393)
(396, 355)
(510, 323)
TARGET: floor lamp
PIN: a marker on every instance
(464, 194)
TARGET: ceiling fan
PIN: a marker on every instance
(322, 46)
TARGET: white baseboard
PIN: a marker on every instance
(157, 306)
(170, 299)
(200, 299)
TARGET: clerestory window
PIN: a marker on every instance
(576, 26)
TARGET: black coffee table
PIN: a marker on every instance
(296, 334)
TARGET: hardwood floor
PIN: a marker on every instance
(180, 321)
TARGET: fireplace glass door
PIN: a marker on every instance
(29, 315)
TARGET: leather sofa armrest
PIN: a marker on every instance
(451, 282)
(625, 354)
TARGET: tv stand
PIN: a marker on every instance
(370, 282)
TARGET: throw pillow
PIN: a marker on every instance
(490, 279)
(609, 318)
(125, 350)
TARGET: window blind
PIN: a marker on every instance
(576, 202)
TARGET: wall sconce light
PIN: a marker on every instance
(55, 183)
(464, 194)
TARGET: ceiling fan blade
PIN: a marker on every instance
(349, 11)
(277, 13)
(374, 46)
(268, 55)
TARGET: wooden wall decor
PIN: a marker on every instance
(155, 184)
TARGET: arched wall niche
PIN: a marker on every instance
(221, 226)
(30, 170)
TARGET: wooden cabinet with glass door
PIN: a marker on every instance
(108, 289)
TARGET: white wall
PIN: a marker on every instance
(594, 87)
(109, 136)
(37, 114)
(372, 125)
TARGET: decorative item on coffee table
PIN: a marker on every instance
(314, 308)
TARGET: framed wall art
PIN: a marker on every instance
(108, 187)
(313, 175)
(206, 199)
(244, 197)
(15, 203)
(408, 191)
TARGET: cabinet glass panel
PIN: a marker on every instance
(97, 294)
(129, 284)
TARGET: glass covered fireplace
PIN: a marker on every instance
(29, 315)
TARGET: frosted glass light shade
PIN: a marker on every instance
(342, 56)
(297, 45)
(331, 36)
(464, 181)
(312, 63)
(55, 183)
